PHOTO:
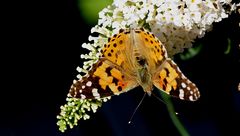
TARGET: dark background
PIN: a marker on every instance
(40, 53)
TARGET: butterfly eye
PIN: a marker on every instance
(142, 61)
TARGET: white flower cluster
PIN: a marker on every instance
(75, 109)
(177, 23)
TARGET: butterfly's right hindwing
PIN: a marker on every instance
(171, 80)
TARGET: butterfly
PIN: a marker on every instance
(131, 58)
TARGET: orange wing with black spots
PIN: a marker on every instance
(116, 47)
(153, 49)
(111, 75)
(166, 75)
(104, 79)
(171, 80)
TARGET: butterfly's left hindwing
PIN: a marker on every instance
(170, 80)
(104, 79)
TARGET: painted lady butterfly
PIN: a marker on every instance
(131, 58)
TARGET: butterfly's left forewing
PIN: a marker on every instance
(112, 74)
(171, 80)
(104, 79)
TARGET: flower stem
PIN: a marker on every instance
(173, 116)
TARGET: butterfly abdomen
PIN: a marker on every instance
(144, 76)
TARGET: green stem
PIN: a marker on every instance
(173, 116)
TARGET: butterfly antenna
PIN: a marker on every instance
(162, 102)
(158, 98)
(130, 120)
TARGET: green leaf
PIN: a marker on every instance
(89, 9)
(191, 52)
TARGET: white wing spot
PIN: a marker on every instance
(89, 83)
(191, 92)
(83, 86)
(188, 88)
(195, 95)
(80, 91)
(178, 69)
(183, 85)
(83, 96)
(95, 92)
(191, 98)
(181, 94)
(182, 76)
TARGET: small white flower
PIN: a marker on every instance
(85, 117)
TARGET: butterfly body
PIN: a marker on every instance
(131, 58)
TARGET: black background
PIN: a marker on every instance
(40, 52)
